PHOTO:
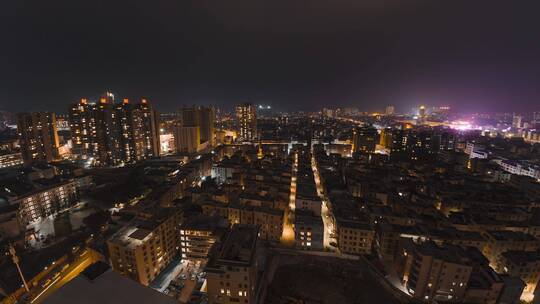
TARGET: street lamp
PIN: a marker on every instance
(15, 259)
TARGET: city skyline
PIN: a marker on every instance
(363, 54)
(196, 206)
(270, 152)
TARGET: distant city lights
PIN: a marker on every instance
(463, 125)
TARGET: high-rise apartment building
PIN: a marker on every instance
(385, 138)
(148, 126)
(517, 121)
(38, 137)
(187, 139)
(109, 133)
(196, 131)
(536, 120)
(129, 141)
(247, 120)
(390, 110)
(105, 141)
(207, 117)
(422, 115)
(190, 116)
(81, 124)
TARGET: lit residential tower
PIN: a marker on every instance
(247, 120)
(38, 137)
(112, 133)
(196, 131)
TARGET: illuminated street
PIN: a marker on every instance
(287, 237)
(83, 260)
(326, 214)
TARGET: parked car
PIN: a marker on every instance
(46, 283)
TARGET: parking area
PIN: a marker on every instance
(183, 281)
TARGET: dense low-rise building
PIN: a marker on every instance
(268, 219)
(144, 247)
(308, 230)
(232, 271)
(198, 234)
(523, 265)
(47, 200)
(354, 237)
(488, 287)
(307, 199)
(365, 140)
(435, 273)
(10, 159)
(499, 242)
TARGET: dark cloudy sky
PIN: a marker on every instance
(474, 55)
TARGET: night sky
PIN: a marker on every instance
(472, 55)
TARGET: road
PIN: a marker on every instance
(67, 272)
(326, 213)
(287, 238)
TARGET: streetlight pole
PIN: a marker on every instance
(16, 260)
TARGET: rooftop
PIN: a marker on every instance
(99, 284)
(448, 253)
(239, 247)
(504, 235)
(306, 217)
(140, 230)
(518, 257)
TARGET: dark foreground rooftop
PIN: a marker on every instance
(324, 280)
(99, 284)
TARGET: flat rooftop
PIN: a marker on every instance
(504, 235)
(130, 236)
(306, 217)
(518, 257)
(99, 284)
(240, 245)
(138, 231)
